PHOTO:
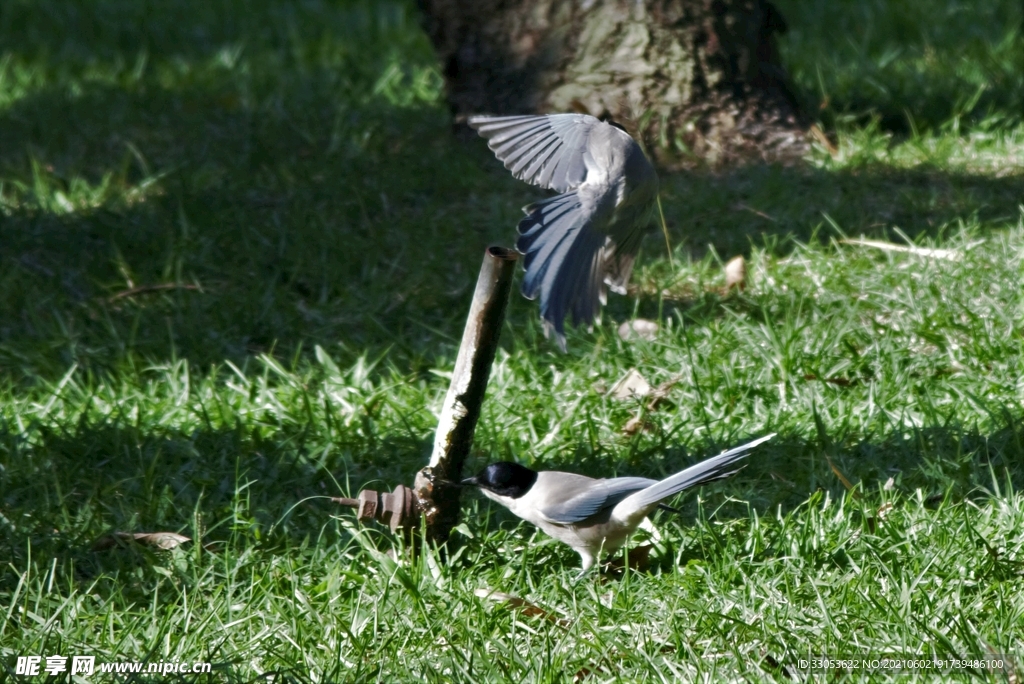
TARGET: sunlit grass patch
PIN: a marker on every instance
(996, 152)
(49, 192)
(914, 65)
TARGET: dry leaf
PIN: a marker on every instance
(740, 206)
(527, 608)
(823, 139)
(159, 540)
(636, 424)
(842, 478)
(736, 273)
(638, 328)
(630, 386)
(659, 393)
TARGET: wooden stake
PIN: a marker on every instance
(437, 497)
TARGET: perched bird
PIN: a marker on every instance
(593, 515)
(587, 236)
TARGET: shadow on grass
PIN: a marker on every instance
(216, 184)
(269, 234)
(260, 231)
(237, 491)
(772, 205)
(233, 488)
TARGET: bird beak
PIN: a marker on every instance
(469, 481)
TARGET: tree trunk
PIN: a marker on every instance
(701, 79)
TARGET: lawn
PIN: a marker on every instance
(237, 247)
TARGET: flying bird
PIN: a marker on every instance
(586, 238)
(593, 515)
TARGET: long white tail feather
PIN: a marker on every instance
(641, 503)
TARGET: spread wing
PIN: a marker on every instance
(591, 496)
(542, 150)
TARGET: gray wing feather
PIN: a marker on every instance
(562, 284)
(542, 150)
(549, 225)
(596, 496)
(591, 292)
(562, 253)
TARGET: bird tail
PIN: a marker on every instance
(563, 259)
(638, 505)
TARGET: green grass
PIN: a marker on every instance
(912, 65)
(237, 246)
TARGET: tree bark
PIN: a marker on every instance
(701, 80)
